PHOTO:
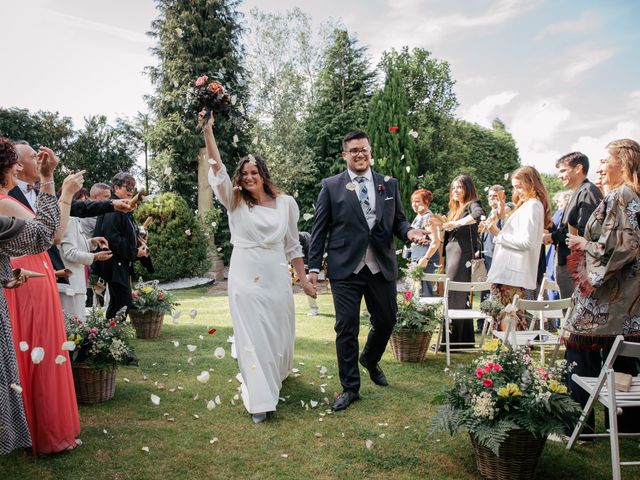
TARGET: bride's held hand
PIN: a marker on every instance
(309, 289)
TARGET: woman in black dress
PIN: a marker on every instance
(461, 242)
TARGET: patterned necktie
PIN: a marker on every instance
(363, 195)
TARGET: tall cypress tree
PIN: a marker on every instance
(195, 37)
(393, 146)
(343, 91)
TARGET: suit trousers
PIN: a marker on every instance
(119, 296)
(380, 298)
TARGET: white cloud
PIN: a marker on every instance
(587, 22)
(534, 126)
(484, 111)
(584, 60)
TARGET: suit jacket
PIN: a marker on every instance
(340, 222)
(580, 207)
(78, 209)
(120, 231)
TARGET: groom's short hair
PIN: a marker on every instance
(355, 135)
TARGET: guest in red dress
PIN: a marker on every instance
(36, 316)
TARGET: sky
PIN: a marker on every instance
(563, 75)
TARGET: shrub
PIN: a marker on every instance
(177, 243)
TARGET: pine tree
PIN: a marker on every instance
(393, 147)
(195, 37)
(343, 90)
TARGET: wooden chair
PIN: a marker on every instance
(464, 314)
(603, 390)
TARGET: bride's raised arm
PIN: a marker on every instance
(218, 177)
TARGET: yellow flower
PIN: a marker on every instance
(510, 390)
(70, 338)
(557, 387)
(146, 290)
(77, 340)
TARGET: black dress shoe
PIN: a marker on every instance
(344, 400)
(375, 374)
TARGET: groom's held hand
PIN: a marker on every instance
(313, 279)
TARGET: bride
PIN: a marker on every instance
(264, 234)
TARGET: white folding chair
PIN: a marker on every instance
(543, 316)
(464, 314)
(603, 389)
(434, 278)
(534, 337)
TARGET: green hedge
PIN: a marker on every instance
(177, 241)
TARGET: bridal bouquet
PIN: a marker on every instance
(211, 96)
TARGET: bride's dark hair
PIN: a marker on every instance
(240, 193)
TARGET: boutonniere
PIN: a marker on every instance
(350, 186)
(380, 188)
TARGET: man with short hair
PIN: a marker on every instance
(359, 211)
(99, 192)
(572, 171)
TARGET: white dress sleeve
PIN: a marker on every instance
(221, 185)
(292, 247)
(528, 231)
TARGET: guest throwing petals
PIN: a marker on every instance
(264, 234)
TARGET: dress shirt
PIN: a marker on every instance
(31, 195)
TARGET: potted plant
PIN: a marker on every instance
(97, 346)
(509, 404)
(415, 324)
(150, 303)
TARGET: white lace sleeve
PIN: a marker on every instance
(221, 185)
(292, 247)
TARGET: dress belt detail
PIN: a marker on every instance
(268, 246)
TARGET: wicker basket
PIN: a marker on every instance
(519, 456)
(94, 385)
(410, 346)
(147, 324)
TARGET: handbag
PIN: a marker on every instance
(478, 268)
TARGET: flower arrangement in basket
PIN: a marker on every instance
(97, 346)
(98, 341)
(503, 393)
(415, 324)
(150, 303)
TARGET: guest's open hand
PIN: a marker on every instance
(102, 256)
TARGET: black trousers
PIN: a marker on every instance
(380, 298)
(119, 296)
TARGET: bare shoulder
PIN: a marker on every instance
(11, 208)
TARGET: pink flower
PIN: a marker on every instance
(487, 368)
(161, 296)
(487, 383)
(497, 367)
(479, 373)
(408, 295)
(112, 323)
(94, 331)
(135, 294)
(201, 80)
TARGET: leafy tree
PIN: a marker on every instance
(343, 90)
(393, 147)
(193, 38)
(552, 183)
(101, 149)
(177, 240)
(283, 62)
(39, 129)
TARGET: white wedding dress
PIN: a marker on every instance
(260, 294)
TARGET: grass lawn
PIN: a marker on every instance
(186, 440)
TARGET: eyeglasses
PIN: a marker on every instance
(354, 152)
(128, 188)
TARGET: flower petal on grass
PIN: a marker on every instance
(217, 400)
(176, 343)
(211, 405)
(203, 377)
(37, 354)
(219, 353)
(369, 444)
(212, 331)
(323, 370)
(145, 449)
(193, 312)
(155, 399)
(191, 348)
(313, 403)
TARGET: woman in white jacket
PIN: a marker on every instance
(517, 246)
(75, 250)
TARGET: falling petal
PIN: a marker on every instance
(506, 176)
(239, 378)
(235, 139)
(372, 161)
(468, 264)
(187, 232)
(234, 99)
(402, 157)
(369, 444)
(398, 252)
(70, 346)
(167, 171)
(200, 337)
(307, 216)
(60, 359)
(254, 141)
(211, 161)
(191, 348)
(196, 416)
(155, 399)
(387, 178)
(24, 346)
(212, 331)
(413, 133)
(104, 430)
(203, 377)
(37, 354)
(219, 353)
(211, 405)
(17, 388)
(126, 380)
(408, 169)
(193, 312)
(483, 218)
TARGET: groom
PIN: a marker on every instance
(360, 211)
